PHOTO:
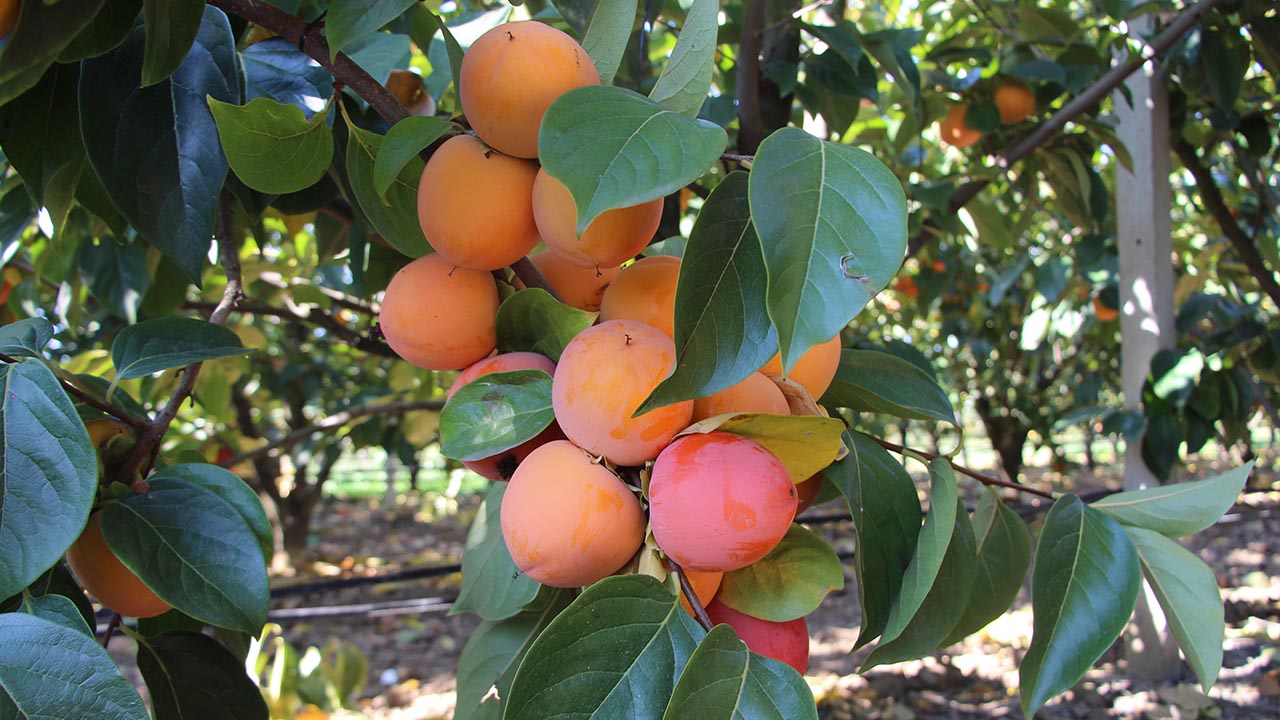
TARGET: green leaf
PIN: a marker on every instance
(614, 148)
(44, 30)
(194, 550)
(171, 28)
(403, 142)
(191, 676)
(151, 147)
(1181, 509)
(877, 382)
(272, 147)
(686, 80)
(804, 444)
(236, 492)
(494, 413)
(48, 474)
(1004, 555)
(108, 29)
(725, 680)
(56, 582)
(617, 651)
(492, 586)
(155, 345)
(531, 320)
(886, 523)
(495, 650)
(942, 608)
(1188, 593)
(275, 68)
(396, 216)
(51, 671)
(26, 337)
(1084, 583)
(833, 223)
(351, 20)
(117, 274)
(788, 583)
(59, 609)
(722, 328)
(607, 36)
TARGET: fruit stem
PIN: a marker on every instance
(112, 626)
(699, 612)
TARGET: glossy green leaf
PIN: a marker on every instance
(492, 586)
(48, 670)
(725, 680)
(495, 412)
(275, 68)
(607, 36)
(191, 676)
(531, 320)
(108, 29)
(271, 146)
(1180, 509)
(804, 444)
(352, 20)
(886, 523)
(44, 30)
(877, 382)
(59, 609)
(617, 651)
(26, 337)
(1188, 593)
(1004, 555)
(48, 473)
(194, 550)
(1084, 583)
(117, 274)
(394, 214)
(722, 329)
(164, 343)
(686, 79)
(40, 135)
(613, 148)
(235, 491)
(151, 147)
(56, 582)
(495, 650)
(833, 223)
(171, 28)
(788, 583)
(403, 142)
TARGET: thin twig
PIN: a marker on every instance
(112, 626)
(736, 158)
(699, 612)
(980, 477)
(90, 400)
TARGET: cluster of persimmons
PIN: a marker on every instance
(714, 502)
(1012, 99)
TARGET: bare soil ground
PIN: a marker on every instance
(412, 655)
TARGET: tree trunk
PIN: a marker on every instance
(1008, 436)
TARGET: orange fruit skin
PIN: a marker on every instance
(512, 74)
(9, 10)
(954, 131)
(756, 394)
(604, 374)
(438, 316)
(807, 491)
(786, 642)
(1015, 102)
(613, 238)
(567, 520)
(577, 286)
(474, 205)
(645, 291)
(107, 579)
(719, 502)
(815, 369)
(705, 585)
(501, 466)
(1104, 313)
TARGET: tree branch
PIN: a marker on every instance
(750, 120)
(308, 316)
(980, 477)
(532, 277)
(90, 400)
(699, 612)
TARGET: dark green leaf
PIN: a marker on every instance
(788, 583)
(725, 680)
(48, 473)
(877, 382)
(492, 586)
(722, 329)
(1004, 554)
(1181, 509)
(275, 68)
(109, 28)
(40, 134)
(171, 29)
(617, 651)
(1188, 592)
(607, 35)
(272, 147)
(191, 676)
(1084, 583)
(56, 582)
(59, 609)
(613, 148)
(42, 33)
(892, 50)
(117, 274)
(380, 53)
(575, 12)
(236, 492)
(495, 413)
(1223, 63)
(531, 320)
(26, 337)
(395, 213)
(151, 146)
(351, 20)
(155, 345)
(886, 523)
(403, 142)
(832, 220)
(49, 670)
(686, 79)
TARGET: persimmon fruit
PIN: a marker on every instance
(1015, 102)
(814, 369)
(645, 291)
(438, 316)
(954, 131)
(577, 286)
(755, 394)
(9, 10)
(106, 577)
(786, 642)
(611, 239)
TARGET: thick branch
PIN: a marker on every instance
(750, 121)
(1211, 197)
(980, 477)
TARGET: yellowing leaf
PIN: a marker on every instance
(804, 444)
